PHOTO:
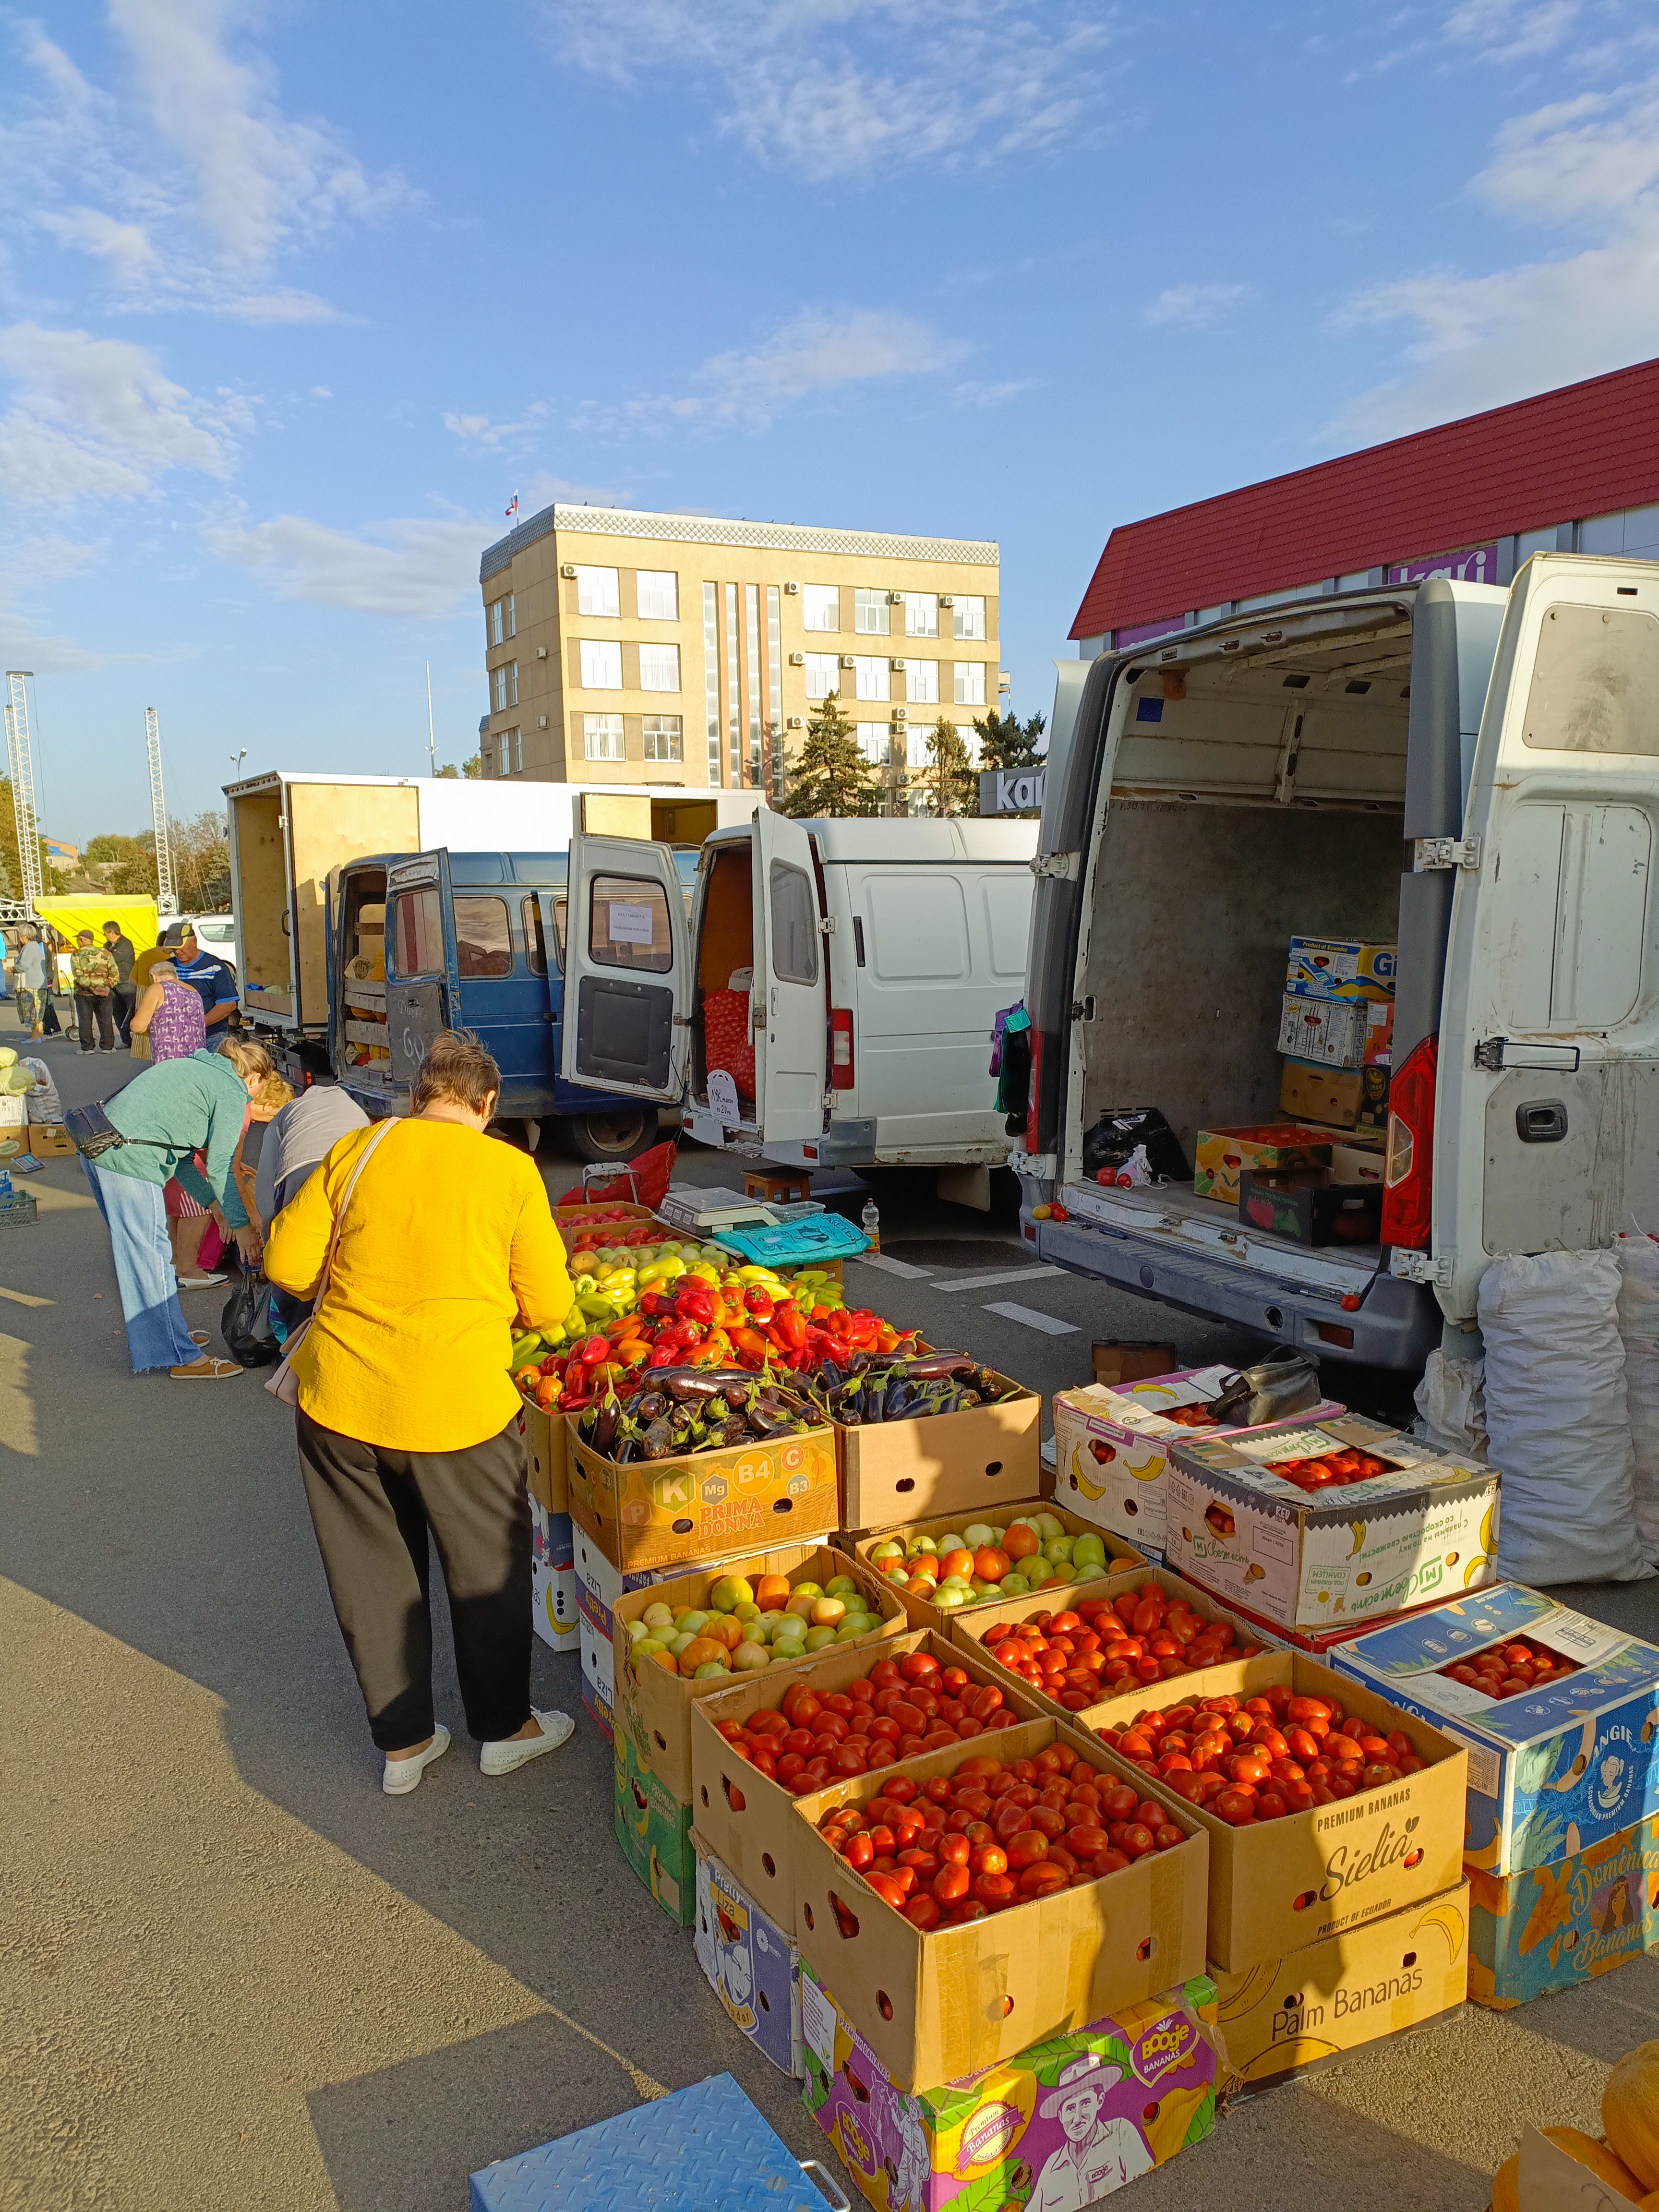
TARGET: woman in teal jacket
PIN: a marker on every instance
(168, 1114)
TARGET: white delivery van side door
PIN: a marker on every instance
(627, 970)
(790, 1044)
(1547, 1133)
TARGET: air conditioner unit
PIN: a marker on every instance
(791, 589)
(541, 722)
(541, 653)
(798, 661)
(569, 568)
(896, 599)
(896, 664)
(945, 600)
(900, 714)
(792, 722)
(848, 660)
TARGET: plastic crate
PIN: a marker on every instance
(17, 1210)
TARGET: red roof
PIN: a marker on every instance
(1590, 448)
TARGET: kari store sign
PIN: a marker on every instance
(1477, 565)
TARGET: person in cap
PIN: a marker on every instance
(1099, 2155)
(95, 978)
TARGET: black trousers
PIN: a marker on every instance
(126, 1004)
(89, 1009)
(372, 1510)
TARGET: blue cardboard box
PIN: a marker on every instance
(1555, 1927)
(1551, 1771)
(1340, 968)
(751, 1965)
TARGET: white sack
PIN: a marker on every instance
(1638, 1326)
(1558, 1425)
(1452, 1401)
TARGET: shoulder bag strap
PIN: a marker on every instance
(283, 1383)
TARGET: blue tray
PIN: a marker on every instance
(703, 2149)
(797, 1243)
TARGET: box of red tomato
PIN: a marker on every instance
(873, 1699)
(1300, 1847)
(1004, 1914)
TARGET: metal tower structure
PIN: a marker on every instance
(166, 899)
(20, 759)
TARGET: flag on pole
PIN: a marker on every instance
(512, 511)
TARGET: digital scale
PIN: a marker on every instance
(687, 1206)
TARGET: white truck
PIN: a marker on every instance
(1471, 771)
(869, 959)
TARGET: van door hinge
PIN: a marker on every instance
(1083, 1010)
(1432, 853)
(1420, 1266)
(826, 924)
(1063, 864)
(683, 1021)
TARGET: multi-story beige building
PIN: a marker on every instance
(674, 648)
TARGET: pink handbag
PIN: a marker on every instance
(282, 1383)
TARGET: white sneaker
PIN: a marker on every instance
(402, 1774)
(503, 1757)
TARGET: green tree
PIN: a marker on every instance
(201, 862)
(948, 779)
(50, 876)
(829, 775)
(471, 768)
(1006, 742)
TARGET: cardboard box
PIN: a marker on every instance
(1552, 1772)
(1340, 968)
(1112, 1448)
(1559, 1926)
(1312, 1206)
(964, 1463)
(598, 1670)
(1118, 1361)
(552, 1578)
(659, 1705)
(748, 1962)
(663, 1512)
(925, 1615)
(600, 1583)
(1329, 1032)
(1317, 1642)
(750, 1821)
(543, 1435)
(1136, 2088)
(1358, 1163)
(1333, 1095)
(1374, 1111)
(1343, 1991)
(1222, 1154)
(1277, 1885)
(654, 1830)
(936, 2007)
(1426, 1529)
(51, 1140)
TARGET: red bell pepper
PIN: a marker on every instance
(592, 1349)
(788, 1323)
(694, 1301)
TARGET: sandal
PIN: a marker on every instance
(205, 1371)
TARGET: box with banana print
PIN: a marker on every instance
(1314, 1526)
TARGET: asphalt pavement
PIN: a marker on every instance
(236, 1974)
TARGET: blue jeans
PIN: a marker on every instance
(135, 1215)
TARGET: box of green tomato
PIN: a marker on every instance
(938, 1569)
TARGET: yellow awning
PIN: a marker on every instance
(136, 916)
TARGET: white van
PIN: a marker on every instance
(874, 963)
(1471, 771)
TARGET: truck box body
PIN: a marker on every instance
(1467, 771)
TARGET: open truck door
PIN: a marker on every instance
(628, 970)
(790, 957)
(422, 977)
(1547, 1098)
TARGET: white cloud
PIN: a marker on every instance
(284, 307)
(420, 567)
(991, 395)
(952, 84)
(124, 247)
(96, 418)
(1512, 30)
(1194, 307)
(1594, 154)
(481, 433)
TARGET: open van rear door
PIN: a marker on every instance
(627, 970)
(422, 974)
(790, 1044)
(1546, 1112)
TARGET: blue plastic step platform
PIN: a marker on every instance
(703, 2149)
(796, 1243)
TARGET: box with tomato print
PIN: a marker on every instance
(1316, 1825)
(1032, 1922)
(1059, 2125)
(863, 1713)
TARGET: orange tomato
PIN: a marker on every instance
(990, 1564)
(1020, 1543)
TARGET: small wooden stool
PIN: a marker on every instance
(786, 1187)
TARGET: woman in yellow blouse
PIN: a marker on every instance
(408, 1418)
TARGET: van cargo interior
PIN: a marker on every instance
(727, 940)
(1253, 799)
(263, 907)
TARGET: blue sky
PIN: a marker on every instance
(295, 298)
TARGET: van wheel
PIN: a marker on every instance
(622, 1135)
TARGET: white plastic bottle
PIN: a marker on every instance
(870, 1222)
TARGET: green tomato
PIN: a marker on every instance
(948, 1595)
(1064, 1572)
(1039, 1570)
(817, 1637)
(1088, 1551)
(637, 1632)
(1014, 1586)
(850, 1630)
(915, 1546)
(710, 1669)
(1058, 1549)
(1046, 1524)
(842, 1586)
(678, 1643)
(951, 1542)
(976, 1535)
(889, 1550)
(692, 1621)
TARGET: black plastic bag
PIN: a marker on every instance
(244, 1323)
(1112, 1142)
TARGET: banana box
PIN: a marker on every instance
(1344, 1992)
(654, 1830)
(552, 1577)
(1559, 1926)
(751, 1965)
(1552, 1772)
(1362, 1521)
(1061, 2125)
(1112, 1447)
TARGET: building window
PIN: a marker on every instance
(971, 684)
(602, 737)
(512, 615)
(870, 612)
(820, 606)
(822, 674)
(970, 736)
(510, 753)
(970, 617)
(869, 676)
(751, 617)
(921, 614)
(497, 617)
(601, 665)
(876, 743)
(733, 702)
(518, 754)
(922, 682)
(500, 681)
(506, 686)
(660, 668)
(663, 738)
(711, 676)
(774, 686)
(659, 595)
(597, 593)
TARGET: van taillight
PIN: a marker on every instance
(840, 1047)
(1409, 1171)
(1034, 1093)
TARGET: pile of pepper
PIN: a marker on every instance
(672, 1411)
(890, 1384)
